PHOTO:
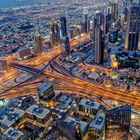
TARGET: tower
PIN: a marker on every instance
(114, 12)
(38, 41)
(85, 22)
(99, 43)
(65, 46)
(55, 34)
(118, 120)
(63, 26)
(132, 41)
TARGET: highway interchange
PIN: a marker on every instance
(61, 78)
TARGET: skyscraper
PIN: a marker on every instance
(114, 12)
(118, 122)
(99, 43)
(125, 12)
(65, 46)
(55, 34)
(132, 41)
(63, 26)
(113, 35)
(38, 45)
(86, 23)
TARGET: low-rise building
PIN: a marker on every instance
(45, 91)
(39, 114)
(97, 126)
(71, 129)
(13, 134)
(13, 119)
(23, 53)
(88, 108)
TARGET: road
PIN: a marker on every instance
(67, 81)
(72, 84)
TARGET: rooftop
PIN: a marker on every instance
(99, 122)
(13, 134)
(45, 86)
(90, 104)
(38, 111)
(83, 125)
(15, 115)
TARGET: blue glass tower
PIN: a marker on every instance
(132, 41)
(118, 122)
(63, 26)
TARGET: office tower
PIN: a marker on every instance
(99, 43)
(118, 122)
(113, 35)
(63, 26)
(112, 9)
(93, 28)
(38, 43)
(107, 23)
(114, 12)
(100, 18)
(65, 46)
(132, 41)
(69, 130)
(85, 25)
(55, 34)
(125, 12)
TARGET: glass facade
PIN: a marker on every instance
(118, 122)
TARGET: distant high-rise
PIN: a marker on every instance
(86, 23)
(38, 45)
(118, 123)
(99, 43)
(63, 26)
(114, 11)
(107, 23)
(132, 41)
(125, 12)
(113, 35)
(55, 34)
(65, 46)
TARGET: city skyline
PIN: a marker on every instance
(70, 70)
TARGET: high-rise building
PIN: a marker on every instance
(55, 34)
(70, 129)
(132, 41)
(118, 123)
(38, 45)
(65, 46)
(100, 19)
(63, 26)
(107, 23)
(114, 11)
(113, 35)
(99, 43)
(125, 12)
(85, 23)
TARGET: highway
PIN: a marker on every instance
(63, 79)
(74, 84)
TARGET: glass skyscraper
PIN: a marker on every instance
(132, 41)
(118, 122)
